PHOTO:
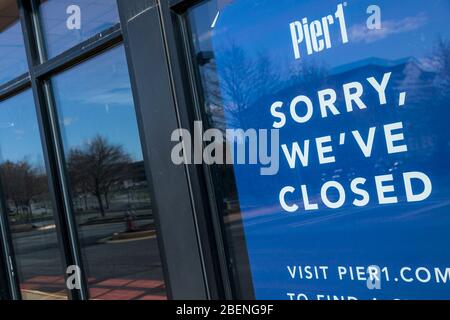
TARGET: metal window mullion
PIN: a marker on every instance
(82, 51)
(186, 94)
(7, 252)
(52, 147)
(201, 208)
(155, 116)
(15, 86)
(214, 215)
(40, 49)
(9, 266)
(67, 230)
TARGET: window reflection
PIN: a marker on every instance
(66, 23)
(108, 183)
(243, 50)
(13, 61)
(25, 188)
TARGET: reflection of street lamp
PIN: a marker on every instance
(128, 187)
(129, 219)
(131, 192)
(80, 202)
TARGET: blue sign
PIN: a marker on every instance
(355, 100)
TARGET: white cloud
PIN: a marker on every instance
(360, 32)
(68, 121)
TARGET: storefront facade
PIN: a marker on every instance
(115, 181)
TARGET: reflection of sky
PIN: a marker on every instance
(96, 16)
(19, 131)
(263, 26)
(404, 234)
(95, 98)
(13, 61)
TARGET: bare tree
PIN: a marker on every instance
(442, 60)
(235, 81)
(96, 167)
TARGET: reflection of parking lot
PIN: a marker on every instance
(123, 270)
(111, 289)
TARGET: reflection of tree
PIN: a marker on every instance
(22, 184)
(237, 83)
(243, 79)
(440, 98)
(427, 81)
(307, 76)
(96, 167)
(239, 88)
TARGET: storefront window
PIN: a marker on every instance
(109, 188)
(343, 110)
(30, 213)
(13, 61)
(66, 23)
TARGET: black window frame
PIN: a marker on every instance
(174, 78)
(189, 228)
(194, 256)
(182, 258)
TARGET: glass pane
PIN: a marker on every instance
(66, 23)
(354, 99)
(109, 187)
(13, 61)
(24, 182)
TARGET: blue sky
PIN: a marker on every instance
(95, 98)
(19, 132)
(391, 235)
(410, 28)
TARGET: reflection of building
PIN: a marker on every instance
(75, 185)
(135, 175)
